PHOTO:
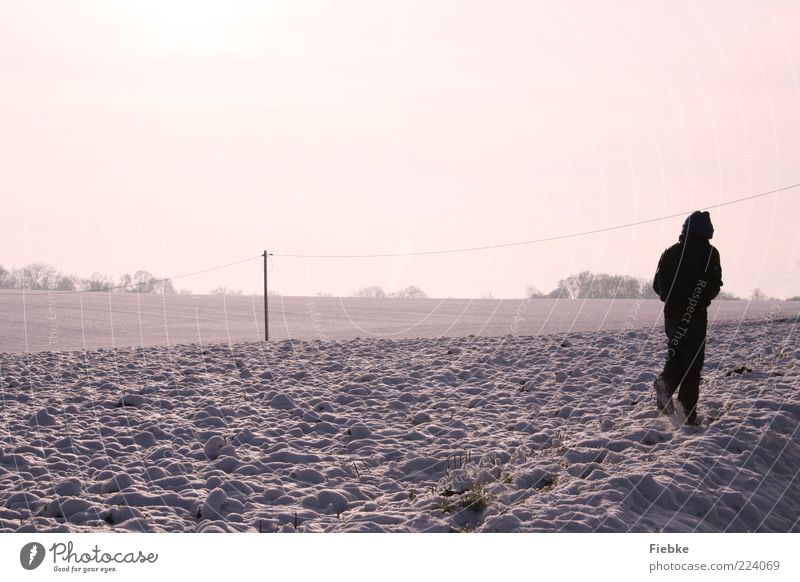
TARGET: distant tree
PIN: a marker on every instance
(725, 296)
(125, 284)
(628, 287)
(225, 291)
(487, 295)
(274, 293)
(794, 298)
(163, 287)
(588, 285)
(758, 295)
(324, 294)
(532, 292)
(410, 292)
(144, 282)
(97, 282)
(42, 276)
(67, 282)
(36, 276)
(184, 292)
(575, 286)
(615, 287)
(646, 290)
(375, 291)
(6, 278)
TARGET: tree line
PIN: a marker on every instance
(376, 291)
(45, 277)
(583, 285)
(588, 285)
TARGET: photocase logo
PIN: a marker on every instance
(31, 555)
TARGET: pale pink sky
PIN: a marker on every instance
(177, 135)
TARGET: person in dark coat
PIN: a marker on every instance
(688, 277)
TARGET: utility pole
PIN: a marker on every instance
(266, 300)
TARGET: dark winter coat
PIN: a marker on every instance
(688, 277)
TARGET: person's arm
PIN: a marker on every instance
(662, 280)
(657, 277)
(714, 274)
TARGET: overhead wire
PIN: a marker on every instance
(526, 242)
(429, 252)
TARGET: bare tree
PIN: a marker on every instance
(758, 295)
(725, 296)
(163, 287)
(144, 282)
(532, 292)
(375, 291)
(225, 291)
(625, 287)
(42, 276)
(646, 290)
(126, 284)
(36, 276)
(588, 285)
(410, 292)
(574, 286)
(6, 278)
(97, 282)
(67, 282)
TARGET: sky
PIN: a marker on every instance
(174, 136)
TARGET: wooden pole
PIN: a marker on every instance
(266, 300)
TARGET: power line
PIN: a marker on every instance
(534, 241)
(192, 274)
(434, 252)
(150, 281)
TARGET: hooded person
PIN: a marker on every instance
(688, 277)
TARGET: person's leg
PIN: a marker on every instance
(690, 386)
(675, 365)
(667, 382)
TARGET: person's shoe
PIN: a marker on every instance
(663, 399)
(691, 415)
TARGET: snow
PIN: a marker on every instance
(213, 447)
(76, 321)
(68, 488)
(493, 434)
(43, 417)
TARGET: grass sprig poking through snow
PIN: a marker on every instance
(476, 498)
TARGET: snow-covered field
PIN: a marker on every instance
(55, 322)
(512, 433)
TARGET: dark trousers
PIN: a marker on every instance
(686, 344)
